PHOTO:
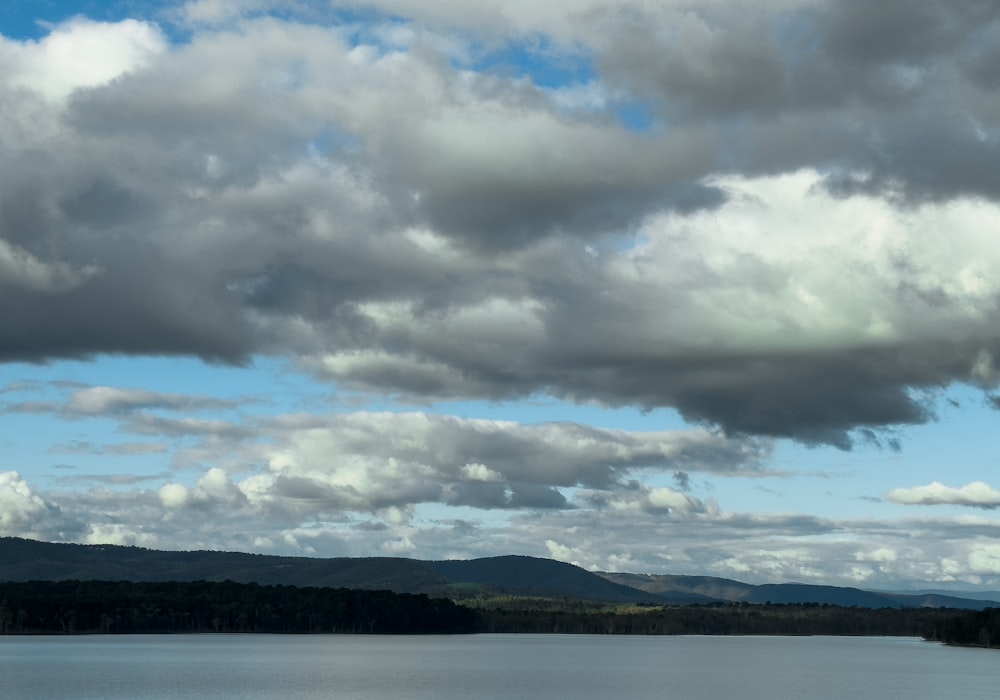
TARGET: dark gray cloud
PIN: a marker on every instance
(401, 225)
(900, 31)
(893, 91)
(683, 480)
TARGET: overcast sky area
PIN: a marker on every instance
(693, 287)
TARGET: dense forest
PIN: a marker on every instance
(716, 618)
(121, 607)
(88, 607)
(970, 628)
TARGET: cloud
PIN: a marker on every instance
(364, 462)
(23, 513)
(480, 472)
(775, 218)
(766, 331)
(659, 500)
(636, 527)
(125, 448)
(764, 256)
(976, 495)
(683, 480)
(298, 468)
(106, 479)
(214, 489)
(206, 429)
(79, 53)
(119, 534)
(106, 401)
(103, 400)
(216, 12)
(564, 454)
(984, 559)
(20, 269)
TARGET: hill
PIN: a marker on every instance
(530, 576)
(722, 589)
(29, 560)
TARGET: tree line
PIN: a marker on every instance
(89, 607)
(69, 607)
(720, 619)
(970, 628)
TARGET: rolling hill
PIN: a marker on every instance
(721, 589)
(29, 560)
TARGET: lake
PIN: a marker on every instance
(149, 667)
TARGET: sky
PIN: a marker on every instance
(678, 287)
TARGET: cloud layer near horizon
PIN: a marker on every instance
(438, 486)
(764, 255)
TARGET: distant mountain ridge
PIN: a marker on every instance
(784, 593)
(28, 560)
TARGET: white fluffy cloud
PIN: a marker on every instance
(977, 495)
(79, 54)
(983, 559)
(365, 462)
(23, 513)
(213, 490)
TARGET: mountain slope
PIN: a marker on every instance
(712, 588)
(25, 560)
(29, 560)
(694, 589)
(540, 577)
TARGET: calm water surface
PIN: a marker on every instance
(485, 667)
